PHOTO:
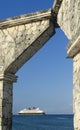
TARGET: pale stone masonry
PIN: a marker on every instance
(76, 91)
(6, 92)
(20, 40)
(69, 21)
(69, 17)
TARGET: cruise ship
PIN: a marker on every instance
(31, 111)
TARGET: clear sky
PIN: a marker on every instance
(45, 81)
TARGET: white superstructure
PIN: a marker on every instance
(32, 111)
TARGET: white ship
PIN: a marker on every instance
(31, 111)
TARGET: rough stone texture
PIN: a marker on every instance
(69, 17)
(55, 10)
(28, 39)
(6, 93)
(18, 43)
(74, 46)
(26, 18)
(76, 83)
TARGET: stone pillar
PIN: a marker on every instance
(76, 91)
(6, 92)
(74, 52)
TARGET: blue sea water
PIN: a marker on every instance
(43, 122)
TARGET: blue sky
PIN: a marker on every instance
(45, 81)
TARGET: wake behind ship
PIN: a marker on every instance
(31, 111)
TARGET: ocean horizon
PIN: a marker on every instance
(43, 122)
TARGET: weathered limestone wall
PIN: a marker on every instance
(6, 95)
(20, 41)
(69, 17)
(69, 21)
(15, 40)
(76, 90)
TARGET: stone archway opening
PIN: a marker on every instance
(44, 79)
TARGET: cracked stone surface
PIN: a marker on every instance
(69, 17)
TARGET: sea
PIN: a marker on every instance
(42, 122)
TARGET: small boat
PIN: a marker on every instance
(31, 111)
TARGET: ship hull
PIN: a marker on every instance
(31, 113)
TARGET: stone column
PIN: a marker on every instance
(74, 52)
(76, 91)
(6, 92)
